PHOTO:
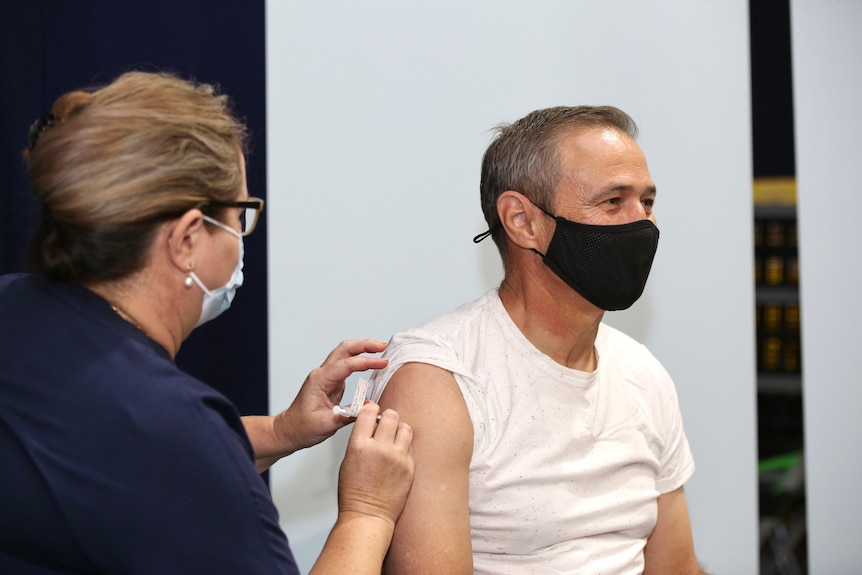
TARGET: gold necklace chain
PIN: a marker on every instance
(128, 318)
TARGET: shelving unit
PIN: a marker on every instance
(776, 277)
(779, 379)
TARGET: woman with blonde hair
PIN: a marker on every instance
(114, 460)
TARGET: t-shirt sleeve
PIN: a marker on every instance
(676, 460)
(415, 346)
(676, 463)
(656, 392)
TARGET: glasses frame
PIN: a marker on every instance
(255, 204)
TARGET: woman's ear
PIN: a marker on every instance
(523, 222)
(184, 239)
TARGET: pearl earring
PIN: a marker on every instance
(188, 281)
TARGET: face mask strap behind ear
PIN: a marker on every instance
(198, 281)
(226, 228)
(550, 215)
(217, 301)
(217, 223)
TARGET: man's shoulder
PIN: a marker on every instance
(613, 338)
(450, 324)
(444, 341)
(627, 354)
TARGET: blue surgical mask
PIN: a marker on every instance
(218, 300)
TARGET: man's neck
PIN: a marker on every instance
(558, 321)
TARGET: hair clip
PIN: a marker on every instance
(39, 126)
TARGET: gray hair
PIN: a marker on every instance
(524, 156)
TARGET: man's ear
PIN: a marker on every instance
(184, 240)
(524, 223)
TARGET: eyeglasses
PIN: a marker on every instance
(248, 217)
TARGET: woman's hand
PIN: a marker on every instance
(375, 478)
(309, 419)
(377, 470)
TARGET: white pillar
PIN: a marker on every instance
(827, 80)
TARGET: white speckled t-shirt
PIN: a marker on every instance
(566, 465)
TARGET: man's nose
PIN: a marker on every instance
(638, 211)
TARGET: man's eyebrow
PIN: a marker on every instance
(629, 188)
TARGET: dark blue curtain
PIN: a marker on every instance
(49, 47)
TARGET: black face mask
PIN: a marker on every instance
(608, 265)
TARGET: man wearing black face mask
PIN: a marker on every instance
(546, 441)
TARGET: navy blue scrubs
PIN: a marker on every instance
(112, 460)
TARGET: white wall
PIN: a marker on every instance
(827, 74)
(378, 115)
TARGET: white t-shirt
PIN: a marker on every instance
(566, 465)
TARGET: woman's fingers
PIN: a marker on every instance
(354, 347)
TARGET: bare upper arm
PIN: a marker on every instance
(433, 533)
(670, 547)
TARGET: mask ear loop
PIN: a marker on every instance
(478, 238)
(192, 278)
(226, 228)
(550, 215)
(546, 212)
